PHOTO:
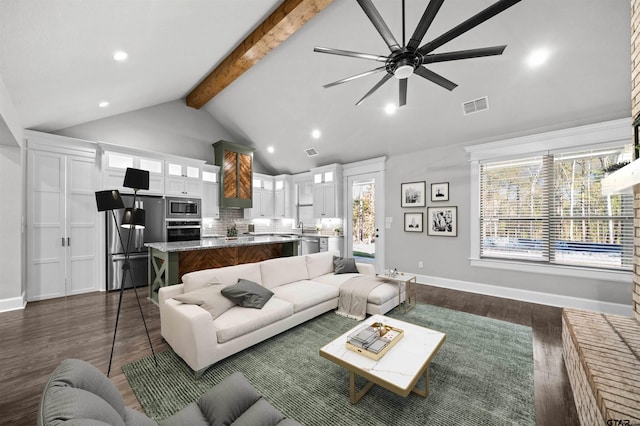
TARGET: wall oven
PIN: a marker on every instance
(182, 230)
(183, 208)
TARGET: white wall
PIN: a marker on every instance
(12, 208)
(446, 259)
(169, 128)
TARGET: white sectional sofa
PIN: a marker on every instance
(303, 286)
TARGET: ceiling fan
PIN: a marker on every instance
(411, 58)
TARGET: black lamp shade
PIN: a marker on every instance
(133, 218)
(109, 200)
(136, 179)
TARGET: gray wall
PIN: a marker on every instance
(448, 257)
(169, 128)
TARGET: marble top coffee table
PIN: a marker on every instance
(399, 369)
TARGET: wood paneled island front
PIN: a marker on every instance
(168, 262)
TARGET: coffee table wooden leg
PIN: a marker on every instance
(353, 396)
(423, 392)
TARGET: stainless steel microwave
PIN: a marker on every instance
(183, 208)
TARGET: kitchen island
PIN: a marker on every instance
(168, 262)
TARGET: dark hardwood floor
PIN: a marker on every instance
(36, 339)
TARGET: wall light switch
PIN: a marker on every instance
(421, 264)
(387, 225)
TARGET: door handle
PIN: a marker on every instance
(68, 241)
(62, 241)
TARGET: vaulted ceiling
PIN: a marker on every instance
(55, 61)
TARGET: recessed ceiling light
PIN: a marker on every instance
(315, 133)
(390, 109)
(538, 57)
(103, 104)
(120, 56)
(270, 150)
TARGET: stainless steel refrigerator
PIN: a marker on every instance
(154, 231)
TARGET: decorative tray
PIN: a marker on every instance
(375, 340)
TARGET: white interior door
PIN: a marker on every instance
(46, 227)
(82, 258)
(365, 218)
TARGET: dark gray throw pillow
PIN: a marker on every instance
(247, 294)
(344, 265)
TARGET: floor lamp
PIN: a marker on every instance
(132, 218)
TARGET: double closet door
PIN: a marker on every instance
(62, 224)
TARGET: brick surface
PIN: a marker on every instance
(601, 357)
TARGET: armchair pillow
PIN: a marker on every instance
(247, 294)
(209, 298)
(344, 265)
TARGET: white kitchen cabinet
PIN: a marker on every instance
(210, 192)
(63, 231)
(182, 179)
(283, 196)
(263, 198)
(327, 191)
(114, 165)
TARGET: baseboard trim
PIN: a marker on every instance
(528, 295)
(13, 303)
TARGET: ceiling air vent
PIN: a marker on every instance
(311, 152)
(476, 105)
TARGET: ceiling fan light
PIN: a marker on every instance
(403, 71)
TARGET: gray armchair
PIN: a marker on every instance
(78, 393)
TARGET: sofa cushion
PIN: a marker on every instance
(239, 321)
(283, 270)
(344, 265)
(334, 280)
(209, 298)
(319, 263)
(227, 275)
(247, 294)
(305, 294)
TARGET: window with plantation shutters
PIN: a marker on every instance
(550, 209)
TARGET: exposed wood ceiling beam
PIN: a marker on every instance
(289, 17)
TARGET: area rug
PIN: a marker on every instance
(482, 375)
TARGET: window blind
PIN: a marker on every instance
(550, 209)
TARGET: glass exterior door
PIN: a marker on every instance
(364, 230)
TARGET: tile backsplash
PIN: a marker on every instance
(230, 217)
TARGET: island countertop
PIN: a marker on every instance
(213, 243)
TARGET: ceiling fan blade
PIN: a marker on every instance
(403, 92)
(435, 78)
(377, 21)
(463, 54)
(376, 87)
(425, 22)
(470, 23)
(350, 54)
(353, 77)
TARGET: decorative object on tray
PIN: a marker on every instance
(442, 221)
(440, 191)
(413, 222)
(375, 340)
(413, 194)
(232, 233)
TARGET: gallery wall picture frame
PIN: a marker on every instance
(440, 191)
(413, 194)
(442, 221)
(413, 222)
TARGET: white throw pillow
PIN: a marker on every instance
(208, 298)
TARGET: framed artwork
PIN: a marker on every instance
(442, 221)
(413, 194)
(413, 222)
(440, 191)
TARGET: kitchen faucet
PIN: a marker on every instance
(301, 226)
